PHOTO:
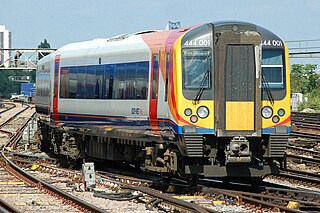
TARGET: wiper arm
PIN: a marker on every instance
(196, 99)
(267, 88)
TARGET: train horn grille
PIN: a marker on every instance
(194, 145)
(278, 144)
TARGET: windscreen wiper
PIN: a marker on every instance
(196, 99)
(266, 87)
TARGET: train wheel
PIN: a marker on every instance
(166, 178)
(63, 161)
(256, 181)
(192, 180)
(165, 182)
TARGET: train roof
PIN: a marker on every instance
(129, 40)
(125, 39)
(265, 34)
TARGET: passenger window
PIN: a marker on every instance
(100, 83)
(155, 75)
(90, 82)
(64, 82)
(73, 81)
(81, 77)
(167, 77)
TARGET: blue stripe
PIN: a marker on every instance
(124, 121)
(273, 130)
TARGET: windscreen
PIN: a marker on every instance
(272, 68)
(196, 64)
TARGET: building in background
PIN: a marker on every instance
(5, 43)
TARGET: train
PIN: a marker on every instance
(211, 100)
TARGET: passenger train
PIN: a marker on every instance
(211, 100)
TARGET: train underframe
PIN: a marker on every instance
(197, 155)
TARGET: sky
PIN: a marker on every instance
(66, 21)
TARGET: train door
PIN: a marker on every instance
(153, 104)
(238, 96)
(56, 88)
(163, 108)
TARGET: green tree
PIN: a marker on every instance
(304, 79)
(43, 45)
(9, 87)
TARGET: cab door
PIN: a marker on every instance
(238, 96)
(153, 104)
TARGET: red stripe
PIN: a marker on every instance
(288, 119)
(56, 88)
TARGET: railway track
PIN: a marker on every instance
(81, 205)
(118, 184)
(7, 106)
(219, 200)
(44, 197)
(306, 125)
(303, 151)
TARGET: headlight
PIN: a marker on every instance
(203, 112)
(267, 112)
(281, 112)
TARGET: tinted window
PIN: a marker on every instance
(81, 77)
(131, 90)
(142, 79)
(73, 81)
(64, 82)
(100, 87)
(90, 82)
(118, 81)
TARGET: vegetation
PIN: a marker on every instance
(9, 84)
(10, 80)
(305, 80)
(43, 45)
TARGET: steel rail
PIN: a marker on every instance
(270, 198)
(42, 184)
(13, 117)
(312, 160)
(168, 199)
(303, 150)
(307, 174)
(3, 111)
(248, 199)
(6, 207)
(303, 134)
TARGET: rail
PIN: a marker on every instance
(81, 204)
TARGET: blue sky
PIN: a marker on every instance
(66, 21)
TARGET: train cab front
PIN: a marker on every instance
(219, 101)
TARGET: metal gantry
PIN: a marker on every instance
(23, 58)
(27, 58)
(304, 48)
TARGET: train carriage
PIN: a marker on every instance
(210, 100)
